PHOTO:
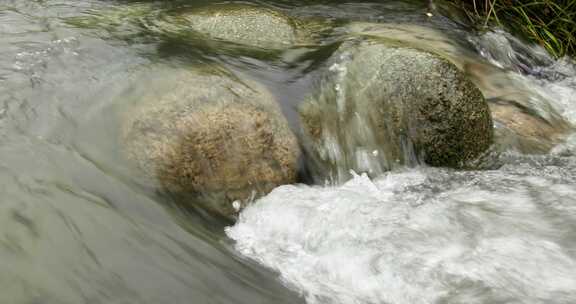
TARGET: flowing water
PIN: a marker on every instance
(77, 227)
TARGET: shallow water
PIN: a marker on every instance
(76, 226)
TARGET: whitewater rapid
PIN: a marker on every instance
(430, 235)
(422, 236)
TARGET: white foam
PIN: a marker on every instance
(410, 237)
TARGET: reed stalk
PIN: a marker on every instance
(550, 23)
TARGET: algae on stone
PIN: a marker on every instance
(121, 21)
(381, 106)
(211, 134)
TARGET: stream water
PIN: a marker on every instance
(76, 226)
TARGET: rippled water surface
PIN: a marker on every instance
(76, 226)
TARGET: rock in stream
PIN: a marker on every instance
(205, 131)
(235, 27)
(382, 105)
(524, 122)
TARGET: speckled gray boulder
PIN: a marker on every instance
(245, 25)
(208, 133)
(380, 106)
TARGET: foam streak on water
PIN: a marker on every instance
(422, 236)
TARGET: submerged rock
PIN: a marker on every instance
(382, 105)
(211, 134)
(242, 24)
(519, 129)
(241, 27)
(445, 43)
(525, 121)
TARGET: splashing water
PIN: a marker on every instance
(421, 236)
(545, 84)
(429, 235)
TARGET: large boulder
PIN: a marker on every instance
(381, 105)
(203, 131)
(524, 120)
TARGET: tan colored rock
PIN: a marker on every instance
(520, 130)
(242, 24)
(231, 28)
(211, 134)
(524, 121)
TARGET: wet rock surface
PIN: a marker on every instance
(382, 105)
(242, 24)
(211, 134)
(521, 130)
(524, 122)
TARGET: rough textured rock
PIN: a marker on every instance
(211, 134)
(524, 121)
(246, 25)
(382, 105)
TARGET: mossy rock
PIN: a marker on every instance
(381, 105)
(208, 133)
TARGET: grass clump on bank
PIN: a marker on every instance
(550, 23)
